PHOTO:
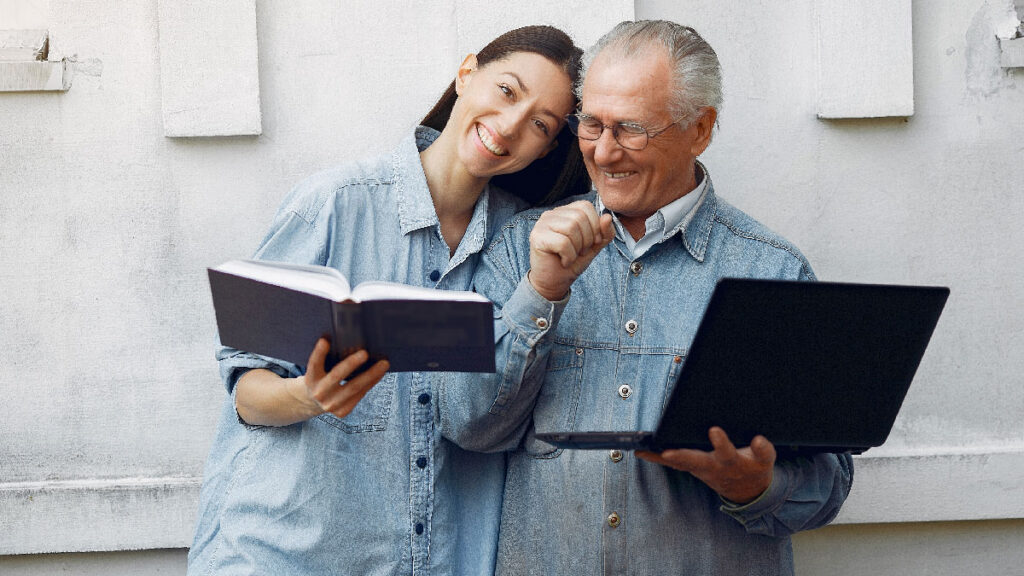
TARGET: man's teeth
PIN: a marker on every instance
(489, 143)
(617, 174)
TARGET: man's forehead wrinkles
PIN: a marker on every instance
(619, 109)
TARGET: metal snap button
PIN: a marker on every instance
(614, 520)
(625, 391)
(615, 455)
(636, 267)
(541, 323)
(632, 326)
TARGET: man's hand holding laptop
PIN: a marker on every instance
(739, 475)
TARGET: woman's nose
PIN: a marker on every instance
(513, 122)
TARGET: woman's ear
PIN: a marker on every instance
(465, 71)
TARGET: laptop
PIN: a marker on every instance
(812, 366)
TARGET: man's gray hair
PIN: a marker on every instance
(696, 72)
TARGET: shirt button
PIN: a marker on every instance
(435, 275)
(625, 391)
(614, 520)
(421, 461)
(636, 267)
(424, 398)
(419, 528)
(631, 326)
(541, 323)
(615, 455)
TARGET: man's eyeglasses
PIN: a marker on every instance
(629, 135)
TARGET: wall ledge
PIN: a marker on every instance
(97, 515)
(972, 484)
(152, 513)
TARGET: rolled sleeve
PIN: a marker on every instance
(233, 363)
(805, 493)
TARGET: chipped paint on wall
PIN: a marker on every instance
(985, 75)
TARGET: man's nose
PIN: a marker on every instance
(606, 149)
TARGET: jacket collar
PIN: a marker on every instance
(696, 226)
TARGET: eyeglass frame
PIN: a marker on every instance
(573, 122)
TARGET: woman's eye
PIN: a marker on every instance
(506, 90)
(543, 127)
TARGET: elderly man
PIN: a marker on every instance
(641, 258)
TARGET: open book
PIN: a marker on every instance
(279, 310)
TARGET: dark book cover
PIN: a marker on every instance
(413, 335)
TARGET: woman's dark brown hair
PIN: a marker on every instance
(561, 173)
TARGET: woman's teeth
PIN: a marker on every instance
(489, 143)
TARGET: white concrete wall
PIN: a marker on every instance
(109, 384)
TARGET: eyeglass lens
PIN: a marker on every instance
(631, 136)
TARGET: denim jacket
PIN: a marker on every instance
(561, 366)
(378, 492)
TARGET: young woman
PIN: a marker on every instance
(311, 473)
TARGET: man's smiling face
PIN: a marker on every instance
(636, 183)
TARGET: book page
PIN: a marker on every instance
(311, 279)
(392, 291)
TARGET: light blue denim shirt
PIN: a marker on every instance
(380, 491)
(560, 366)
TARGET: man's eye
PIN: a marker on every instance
(631, 128)
(543, 127)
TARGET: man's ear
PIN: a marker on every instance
(705, 125)
(462, 77)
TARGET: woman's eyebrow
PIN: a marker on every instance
(526, 91)
(522, 86)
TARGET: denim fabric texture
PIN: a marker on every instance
(561, 366)
(378, 492)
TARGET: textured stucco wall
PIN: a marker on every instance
(109, 384)
(931, 199)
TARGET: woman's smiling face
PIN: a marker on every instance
(508, 112)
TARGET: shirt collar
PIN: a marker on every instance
(669, 219)
(416, 206)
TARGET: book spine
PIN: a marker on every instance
(348, 332)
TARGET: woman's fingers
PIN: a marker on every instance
(343, 397)
(322, 386)
(315, 365)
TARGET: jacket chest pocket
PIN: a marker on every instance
(675, 367)
(371, 414)
(559, 399)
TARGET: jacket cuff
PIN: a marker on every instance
(529, 315)
(769, 500)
